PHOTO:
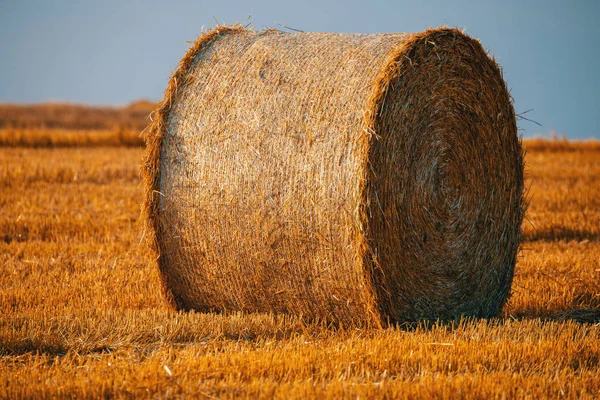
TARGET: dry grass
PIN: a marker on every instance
(82, 314)
(564, 194)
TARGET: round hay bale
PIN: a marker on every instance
(354, 178)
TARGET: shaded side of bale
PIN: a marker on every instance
(322, 175)
(445, 188)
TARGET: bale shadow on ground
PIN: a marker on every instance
(582, 315)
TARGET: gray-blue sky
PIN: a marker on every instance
(114, 52)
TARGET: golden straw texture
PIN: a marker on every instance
(355, 178)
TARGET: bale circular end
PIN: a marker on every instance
(445, 186)
(356, 178)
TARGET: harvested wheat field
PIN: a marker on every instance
(83, 315)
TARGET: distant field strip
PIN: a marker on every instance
(70, 138)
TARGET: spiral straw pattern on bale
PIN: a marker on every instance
(348, 177)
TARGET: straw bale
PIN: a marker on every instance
(355, 178)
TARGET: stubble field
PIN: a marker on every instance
(82, 314)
